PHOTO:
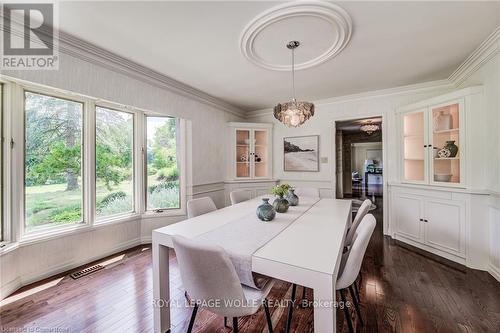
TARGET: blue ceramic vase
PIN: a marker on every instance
(292, 198)
(281, 204)
(266, 212)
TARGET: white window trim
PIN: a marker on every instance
(136, 153)
(86, 220)
(14, 224)
(183, 171)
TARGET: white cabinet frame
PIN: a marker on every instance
(252, 128)
(428, 134)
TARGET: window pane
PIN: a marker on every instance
(114, 162)
(53, 160)
(162, 163)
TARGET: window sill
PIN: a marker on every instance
(45, 235)
(116, 220)
(8, 247)
(167, 213)
(48, 234)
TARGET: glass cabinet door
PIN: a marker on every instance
(260, 155)
(243, 150)
(414, 148)
(446, 145)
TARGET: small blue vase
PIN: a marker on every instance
(281, 204)
(266, 212)
(292, 198)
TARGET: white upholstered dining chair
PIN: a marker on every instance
(200, 206)
(307, 192)
(352, 266)
(362, 211)
(239, 196)
(211, 280)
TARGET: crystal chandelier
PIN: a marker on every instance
(369, 128)
(293, 113)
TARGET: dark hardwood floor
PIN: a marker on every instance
(402, 291)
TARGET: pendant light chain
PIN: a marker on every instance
(293, 74)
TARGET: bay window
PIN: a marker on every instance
(52, 161)
(75, 162)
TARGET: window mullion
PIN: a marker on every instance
(139, 163)
(16, 149)
(89, 173)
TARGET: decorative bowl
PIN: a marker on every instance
(442, 177)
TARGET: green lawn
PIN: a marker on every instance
(53, 204)
(45, 201)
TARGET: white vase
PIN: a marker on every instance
(442, 122)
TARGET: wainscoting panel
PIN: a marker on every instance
(494, 268)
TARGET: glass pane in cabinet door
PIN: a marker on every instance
(260, 153)
(413, 146)
(446, 143)
(242, 153)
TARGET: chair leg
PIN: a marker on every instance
(347, 314)
(193, 316)
(268, 317)
(303, 298)
(225, 322)
(357, 292)
(235, 324)
(356, 305)
(290, 309)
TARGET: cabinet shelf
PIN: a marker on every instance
(452, 130)
(446, 158)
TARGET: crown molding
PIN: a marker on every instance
(413, 88)
(89, 52)
(480, 56)
(85, 51)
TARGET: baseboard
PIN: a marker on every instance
(494, 271)
(432, 252)
(9, 288)
(19, 282)
(146, 240)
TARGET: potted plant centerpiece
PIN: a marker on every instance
(280, 203)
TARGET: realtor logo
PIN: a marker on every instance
(28, 36)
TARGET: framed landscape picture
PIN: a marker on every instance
(301, 153)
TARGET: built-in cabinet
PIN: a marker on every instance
(433, 144)
(436, 193)
(438, 223)
(250, 151)
(250, 159)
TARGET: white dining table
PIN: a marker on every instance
(307, 252)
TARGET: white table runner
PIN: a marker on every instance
(240, 249)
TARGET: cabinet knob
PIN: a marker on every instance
(426, 221)
(425, 146)
(421, 220)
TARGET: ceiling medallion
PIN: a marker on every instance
(369, 128)
(266, 25)
(293, 113)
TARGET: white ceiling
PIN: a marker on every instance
(197, 43)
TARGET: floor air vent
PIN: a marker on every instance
(86, 271)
